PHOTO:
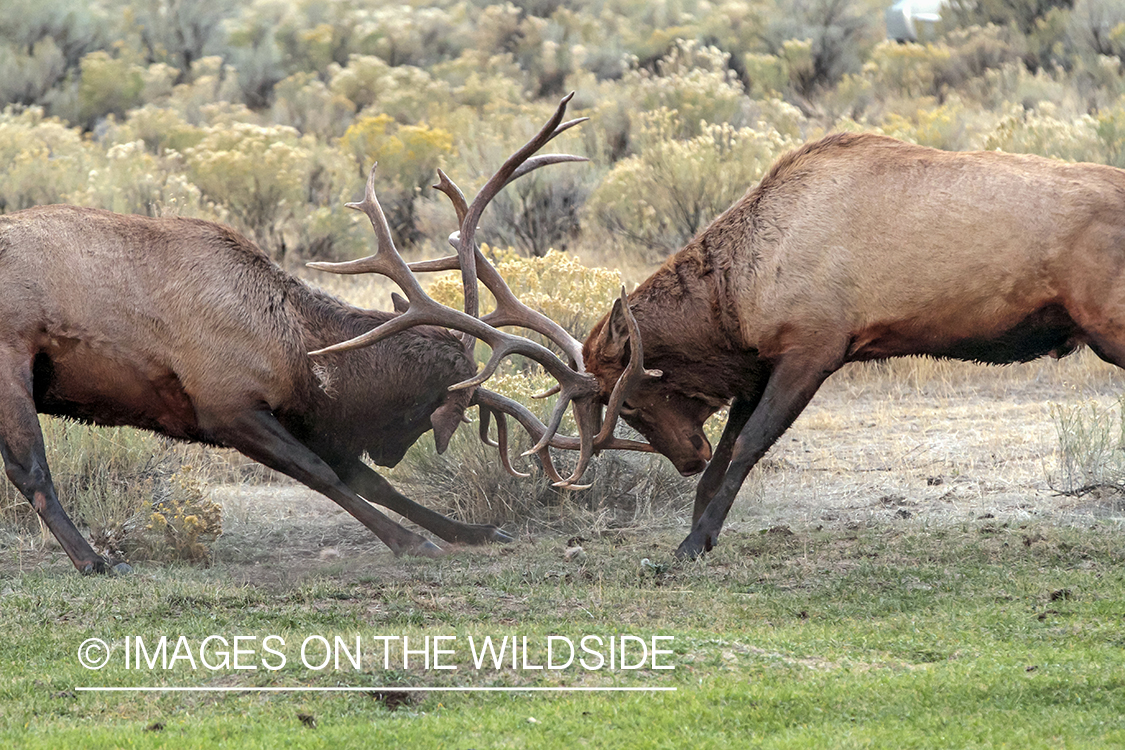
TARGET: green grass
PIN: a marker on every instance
(976, 635)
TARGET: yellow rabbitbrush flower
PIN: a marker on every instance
(408, 154)
(557, 285)
(184, 524)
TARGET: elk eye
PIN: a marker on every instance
(628, 411)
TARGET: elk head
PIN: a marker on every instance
(669, 415)
(576, 387)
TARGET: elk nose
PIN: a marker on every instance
(692, 467)
(702, 447)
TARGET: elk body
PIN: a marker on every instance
(185, 328)
(852, 248)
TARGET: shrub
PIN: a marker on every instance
(304, 102)
(1042, 132)
(108, 85)
(44, 160)
(406, 36)
(1097, 28)
(910, 70)
(41, 42)
(184, 523)
(131, 180)
(269, 179)
(1110, 128)
(837, 33)
(1091, 448)
(660, 198)
(691, 80)
(408, 158)
(161, 129)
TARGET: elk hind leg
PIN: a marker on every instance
(376, 489)
(258, 435)
(25, 463)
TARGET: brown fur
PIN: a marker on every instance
(859, 247)
(185, 328)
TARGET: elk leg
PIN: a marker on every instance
(372, 486)
(25, 462)
(740, 411)
(792, 384)
(258, 435)
(1107, 348)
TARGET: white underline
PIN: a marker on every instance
(382, 689)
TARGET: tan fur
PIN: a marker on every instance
(859, 247)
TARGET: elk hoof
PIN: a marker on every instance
(100, 566)
(695, 546)
(498, 536)
(427, 549)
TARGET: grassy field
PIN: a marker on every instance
(976, 635)
(898, 573)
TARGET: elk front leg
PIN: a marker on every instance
(258, 435)
(740, 411)
(25, 462)
(373, 487)
(792, 383)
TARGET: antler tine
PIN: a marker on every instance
(544, 160)
(467, 247)
(500, 405)
(456, 197)
(485, 420)
(633, 374)
(501, 443)
(386, 259)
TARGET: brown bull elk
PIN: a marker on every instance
(185, 328)
(853, 248)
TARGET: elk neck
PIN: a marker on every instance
(687, 325)
(378, 398)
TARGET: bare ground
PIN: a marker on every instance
(912, 444)
(958, 443)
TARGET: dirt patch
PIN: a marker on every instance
(878, 447)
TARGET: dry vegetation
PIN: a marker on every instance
(266, 115)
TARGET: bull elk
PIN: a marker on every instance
(185, 328)
(852, 248)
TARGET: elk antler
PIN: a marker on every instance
(491, 403)
(576, 386)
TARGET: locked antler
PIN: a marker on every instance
(575, 386)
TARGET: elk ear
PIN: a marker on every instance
(617, 332)
(399, 302)
(451, 413)
(444, 420)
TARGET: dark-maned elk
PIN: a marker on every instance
(854, 248)
(185, 328)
